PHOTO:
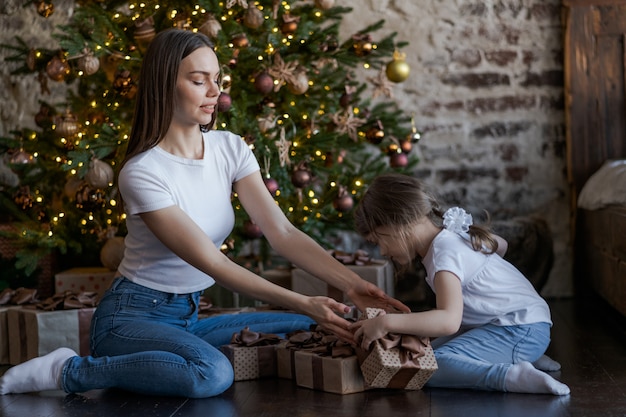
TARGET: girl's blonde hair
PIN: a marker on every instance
(400, 201)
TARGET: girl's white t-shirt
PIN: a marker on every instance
(494, 291)
(202, 188)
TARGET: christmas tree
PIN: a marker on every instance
(318, 112)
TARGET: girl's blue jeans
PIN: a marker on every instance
(480, 358)
(152, 342)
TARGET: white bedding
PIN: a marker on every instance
(607, 186)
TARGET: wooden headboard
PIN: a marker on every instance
(595, 86)
(595, 111)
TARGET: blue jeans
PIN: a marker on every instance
(480, 358)
(152, 342)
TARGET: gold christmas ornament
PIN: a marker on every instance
(45, 8)
(88, 63)
(240, 41)
(299, 84)
(100, 174)
(211, 27)
(362, 45)
(144, 33)
(67, 125)
(58, 68)
(253, 18)
(398, 70)
(112, 252)
(289, 24)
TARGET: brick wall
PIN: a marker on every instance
(486, 88)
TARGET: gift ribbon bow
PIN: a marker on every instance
(69, 301)
(18, 297)
(320, 342)
(249, 338)
(360, 257)
(410, 347)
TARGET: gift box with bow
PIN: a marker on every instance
(397, 361)
(319, 360)
(62, 320)
(10, 300)
(314, 340)
(85, 279)
(252, 354)
(379, 272)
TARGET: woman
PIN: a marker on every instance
(176, 182)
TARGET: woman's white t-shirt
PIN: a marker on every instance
(202, 188)
(494, 291)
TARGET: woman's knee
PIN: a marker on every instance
(213, 378)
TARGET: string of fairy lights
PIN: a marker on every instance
(73, 134)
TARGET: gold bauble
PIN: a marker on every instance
(88, 63)
(253, 18)
(67, 125)
(58, 68)
(398, 70)
(299, 84)
(112, 252)
(100, 174)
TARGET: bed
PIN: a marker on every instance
(601, 232)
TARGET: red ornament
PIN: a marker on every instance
(398, 160)
(252, 230)
(264, 83)
(301, 176)
(344, 201)
(224, 102)
(272, 185)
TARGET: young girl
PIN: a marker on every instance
(489, 322)
(176, 182)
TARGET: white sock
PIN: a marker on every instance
(38, 374)
(523, 377)
(546, 363)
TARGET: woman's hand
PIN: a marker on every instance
(368, 331)
(365, 294)
(324, 311)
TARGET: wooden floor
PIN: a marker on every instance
(589, 339)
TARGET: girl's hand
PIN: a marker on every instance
(324, 311)
(368, 331)
(365, 294)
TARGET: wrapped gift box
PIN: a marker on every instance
(96, 279)
(4, 334)
(35, 333)
(378, 271)
(340, 375)
(285, 364)
(251, 362)
(396, 363)
(252, 354)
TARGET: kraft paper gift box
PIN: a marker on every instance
(253, 355)
(35, 332)
(340, 375)
(4, 334)
(397, 361)
(379, 272)
(96, 279)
